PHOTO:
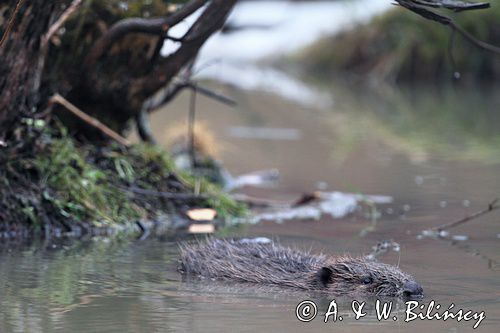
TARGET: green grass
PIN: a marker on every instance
(84, 185)
(79, 190)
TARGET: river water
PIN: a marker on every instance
(435, 151)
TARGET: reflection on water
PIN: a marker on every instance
(436, 153)
(274, 28)
(252, 77)
(365, 143)
(279, 27)
(451, 124)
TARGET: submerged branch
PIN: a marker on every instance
(494, 205)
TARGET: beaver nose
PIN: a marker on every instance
(412, 289)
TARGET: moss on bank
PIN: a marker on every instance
(51, 181)
(401, 46)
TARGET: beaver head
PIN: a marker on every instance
(359, 276)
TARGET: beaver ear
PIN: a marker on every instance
(324, 276)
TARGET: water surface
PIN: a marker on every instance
(436, 152)
(437, 160)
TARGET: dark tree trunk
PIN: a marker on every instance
(104, 62)
(20, 66)
(114, 85)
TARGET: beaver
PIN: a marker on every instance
(273, 264)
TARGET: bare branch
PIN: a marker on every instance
(89, 120)
(212, 94)
(454, 5)
(176, 86)
(60, 21)
(156, 26)
(44, 42)
(11, 22)
(419, 7)
(166, 94)
(494, 205)
(209, 22)
(169, 93)
(467, 35)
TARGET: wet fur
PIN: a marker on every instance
(277, 265)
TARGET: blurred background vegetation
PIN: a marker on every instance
(399, 46)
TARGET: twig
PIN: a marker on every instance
(494, 205)
(383, 247)
(468, 36)
(306, 198)
(456, 73)
(419, 7)
(179, 84)
(11, 22)
(259, 202)
(492, 263)
(213, 95)
(44, 42)
(191, 121)
(166, 195)
(90, 120)
(60, 21)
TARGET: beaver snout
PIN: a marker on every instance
(412, 289)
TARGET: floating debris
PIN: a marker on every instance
(339, 206)
(256, 240)
(261, 178)
(443, 234)
(428, 234)
(203, 214)
(460, 238)
(383, 247)
(298, 213)
(315, 205)
(265, 133)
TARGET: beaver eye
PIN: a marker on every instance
(367, 280)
